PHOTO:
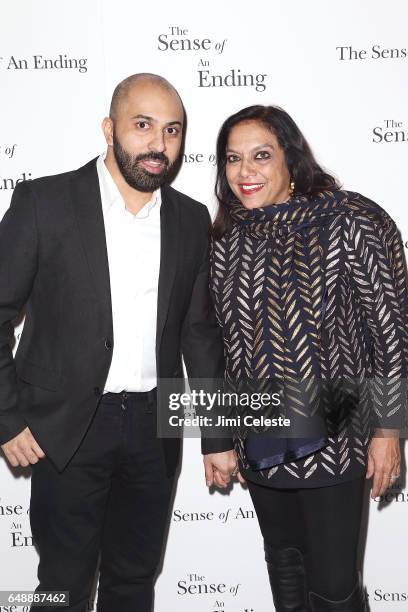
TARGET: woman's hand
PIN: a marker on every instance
(219, 467)
(384, 459)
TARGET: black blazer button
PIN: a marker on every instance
(108, 344)
(97, 391)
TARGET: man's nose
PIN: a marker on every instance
(157, 142)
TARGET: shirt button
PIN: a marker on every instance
(108, 344)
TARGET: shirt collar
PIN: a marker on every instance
(110, 194)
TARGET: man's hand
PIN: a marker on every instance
(219, 467)
(23, 449)
(384, 459)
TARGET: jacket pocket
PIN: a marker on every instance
(37, 376)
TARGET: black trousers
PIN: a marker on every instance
(323, 523)
(111, 500)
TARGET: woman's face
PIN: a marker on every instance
(256, 168)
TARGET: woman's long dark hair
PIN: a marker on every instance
(305, 172)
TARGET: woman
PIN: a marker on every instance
(309, 284)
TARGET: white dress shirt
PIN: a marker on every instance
(133, 245)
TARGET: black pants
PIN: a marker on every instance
(323, 523)
(112, 499)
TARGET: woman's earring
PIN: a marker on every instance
(292, 188)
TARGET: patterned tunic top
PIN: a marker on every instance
(315, 289)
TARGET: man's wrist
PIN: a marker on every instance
(216, 445)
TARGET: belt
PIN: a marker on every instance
(145, 397)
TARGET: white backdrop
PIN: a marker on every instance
(340, 69)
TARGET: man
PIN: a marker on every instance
(111, 263)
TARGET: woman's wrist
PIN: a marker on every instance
(383, 432)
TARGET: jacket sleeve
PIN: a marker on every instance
(18, 267)
(379, 274)
(201, 340)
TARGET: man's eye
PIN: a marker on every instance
(232, 158)
(142, 125)
(172, 131)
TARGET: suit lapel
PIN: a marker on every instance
(87, 203)
(169, 240)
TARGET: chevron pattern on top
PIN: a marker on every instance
(312, 294)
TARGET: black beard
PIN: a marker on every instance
(134, 174)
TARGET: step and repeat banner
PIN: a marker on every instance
(340, 69)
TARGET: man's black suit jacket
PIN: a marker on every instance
(53, 259)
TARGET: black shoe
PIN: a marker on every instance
(288, 579)
(355, 602)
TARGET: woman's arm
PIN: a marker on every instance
(378, 269)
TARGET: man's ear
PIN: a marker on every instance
(107, 128)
